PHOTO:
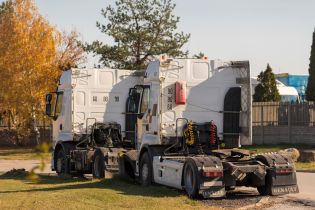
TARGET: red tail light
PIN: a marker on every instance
(284, 171)
(212, 173)
(180, 96)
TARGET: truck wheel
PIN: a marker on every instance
(266, 189)
(98, 165)
(61, 162)
(145, 170)
(191, 179)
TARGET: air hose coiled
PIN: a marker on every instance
(213, 133)
(189, 134)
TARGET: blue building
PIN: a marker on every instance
(297, 81)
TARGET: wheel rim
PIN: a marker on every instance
(96, 166)
(145, 172)
(189, 180)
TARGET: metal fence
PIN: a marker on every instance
(275, 122)
(276, 113)
(8, 133)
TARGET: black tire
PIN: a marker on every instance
(191, 182)
(122, 168)
(61, 163)
(125, 170)
(98, 166)
(266, 189)
(145, 173)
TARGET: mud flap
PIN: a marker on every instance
(210, 186)
(213, 192)
(284, 183)
(281, 175)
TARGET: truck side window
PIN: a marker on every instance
(145, 100)
(58, 104)
(132, 108)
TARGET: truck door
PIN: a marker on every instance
(62, 117)
(132, 110)
(136, 107)
(57, 124)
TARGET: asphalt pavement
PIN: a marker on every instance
(306, 183)
(7, 165)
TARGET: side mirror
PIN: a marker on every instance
(48, 104)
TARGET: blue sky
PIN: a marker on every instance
(278, 32)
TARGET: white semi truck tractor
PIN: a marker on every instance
(180, 123)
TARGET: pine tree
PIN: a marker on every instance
(141, 30)
(310, 90)
(200, 55)
(266, 90)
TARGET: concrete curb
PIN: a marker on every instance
(306, 171)
(261, 202)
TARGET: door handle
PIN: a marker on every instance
(60, 127)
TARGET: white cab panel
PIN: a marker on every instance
(92, 95)
(207, 82)
(168, 172)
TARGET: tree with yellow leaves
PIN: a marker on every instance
(32, 57)
(70, 52)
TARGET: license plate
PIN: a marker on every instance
(284, 190)
(213, 184)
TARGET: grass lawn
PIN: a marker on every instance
(52, 192)
(275, 148)
(21, 154)
(305, 166)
